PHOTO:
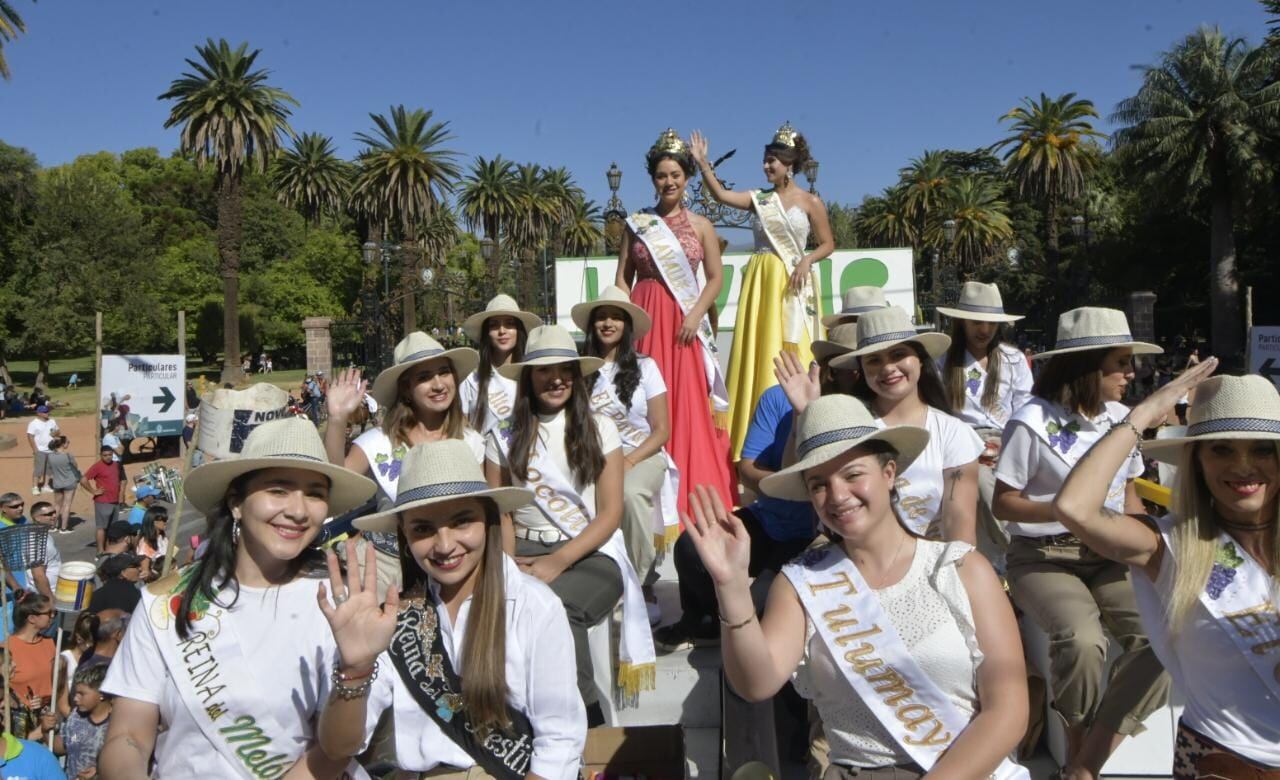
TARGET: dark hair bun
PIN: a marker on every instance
(795, 156)
(683, 159)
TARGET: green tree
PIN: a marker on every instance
(982, 221)
(403, 176)
(1048, 157)
(232, 119)
(1198, 125)
(11, 25)
(884, 220)
(487, 201)
(582, 234)
(844, 224)
(311, 177)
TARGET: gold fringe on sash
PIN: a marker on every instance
(633, 679)
(720, 420)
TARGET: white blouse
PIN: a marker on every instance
(541, 683)
(952, 444)
(1013, 391)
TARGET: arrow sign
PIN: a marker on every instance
(165, 399)
(1269, 369)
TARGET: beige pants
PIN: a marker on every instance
(1073, 594)
(446, 773)
(640, 489)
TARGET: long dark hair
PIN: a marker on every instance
(954, 380)
(485, 370)
(626, 376)
(581, 439)
(149, 531)
(929, 388)
(216, 569)
(484, 649)
(1074, 381)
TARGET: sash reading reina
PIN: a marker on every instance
(418, 654)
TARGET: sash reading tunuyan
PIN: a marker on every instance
(666, 518)
(216, 683)
(417, 652)
(559, 501)
(801, 314)
(664, 247)
(1239, 596)
(874, 661)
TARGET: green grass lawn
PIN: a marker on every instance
(84, 399)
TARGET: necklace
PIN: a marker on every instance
(889, 569)
(1235, 525)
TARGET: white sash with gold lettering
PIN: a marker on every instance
(604, 400)
(499, 407)
(559, 501)
(876, 664)
(801, 315)
(664, 247)
(223, 696)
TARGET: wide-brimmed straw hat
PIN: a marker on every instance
(980, 302)
(841, 340)
(1226, 407)
(416, 348)
(441, 471)
(498, 306)
(291, 443)
(856, 302)
(1093, 327)
(615, 297)
(886, 327)
(547, 346)
(831, 426)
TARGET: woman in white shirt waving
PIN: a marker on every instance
(1206, 575)
(473, 658)
(907, 647)
(571, 458)
(937, 495)
(1067, 588)
(629, 390)
(501, 330)
(226, 663)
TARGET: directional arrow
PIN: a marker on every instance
(165, 399)
(1269, 369)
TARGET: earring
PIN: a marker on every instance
(235, 532)
(790, 175)
(686, 199)
(657, 193)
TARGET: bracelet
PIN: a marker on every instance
(338, 674)
(1136, 433)
(349, 692)
(734, 626)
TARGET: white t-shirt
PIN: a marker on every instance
(469, 392)
(113, 441)
(293, 651)
(551, 431)
(541, 683)
(1225, 700)
(1014, 388)
(952, 444)
(1028, 463)
(52, 561)
(42, 432)
(651, 386)
(385, 462)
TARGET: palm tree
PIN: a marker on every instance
(1198, 124)
(885, 220)
(539, 206)
(924, 182)
(11, 25)
(311, 178)
(488, 200)
(1048, 158)
(981, 217)
(582, 231)
(231, 118)
(403, 176)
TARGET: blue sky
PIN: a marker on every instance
(871, 83)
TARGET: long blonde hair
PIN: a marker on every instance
(401, 419)
(1195, 535)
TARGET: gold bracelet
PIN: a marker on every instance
(734, 626)
(1136, 433)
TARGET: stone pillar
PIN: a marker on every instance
(1142, 315)
(319, 346)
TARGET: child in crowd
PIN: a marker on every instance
(85, 730)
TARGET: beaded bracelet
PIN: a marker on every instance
(1137, 434)
(347, 693)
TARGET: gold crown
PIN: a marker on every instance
(786, 135)
(670, 141)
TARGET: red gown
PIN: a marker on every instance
(700, 451)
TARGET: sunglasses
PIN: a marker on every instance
(43, 614)
(14, 506)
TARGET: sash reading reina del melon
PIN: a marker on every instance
(886, 682)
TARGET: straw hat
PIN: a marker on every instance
(417, 348)
(441, 471)
(1093, 327)
(883, 328)
(615, 297)
(1226, 407)
(547, 346)
(980, 302)
(831, 426)
(291, 443)
(498, 306)
(841, 340)
(855, 302)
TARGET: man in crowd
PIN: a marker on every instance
(45, 576)
(119, 574)
(146, 496)
(103, 481)
(112, 623)
(40, 432)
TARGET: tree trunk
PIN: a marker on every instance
(494, 233)
(409, 300)
(1226, 331)
(229, 230)
(42, 372)
(1053, 260)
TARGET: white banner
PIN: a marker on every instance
(1264, 352)
(146, 392)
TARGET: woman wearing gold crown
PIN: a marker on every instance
(778, 302)
(661, 253)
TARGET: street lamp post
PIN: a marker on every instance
(944, 280)
(372, 251)
(487, 249)
(811, 173)
(614, 213)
